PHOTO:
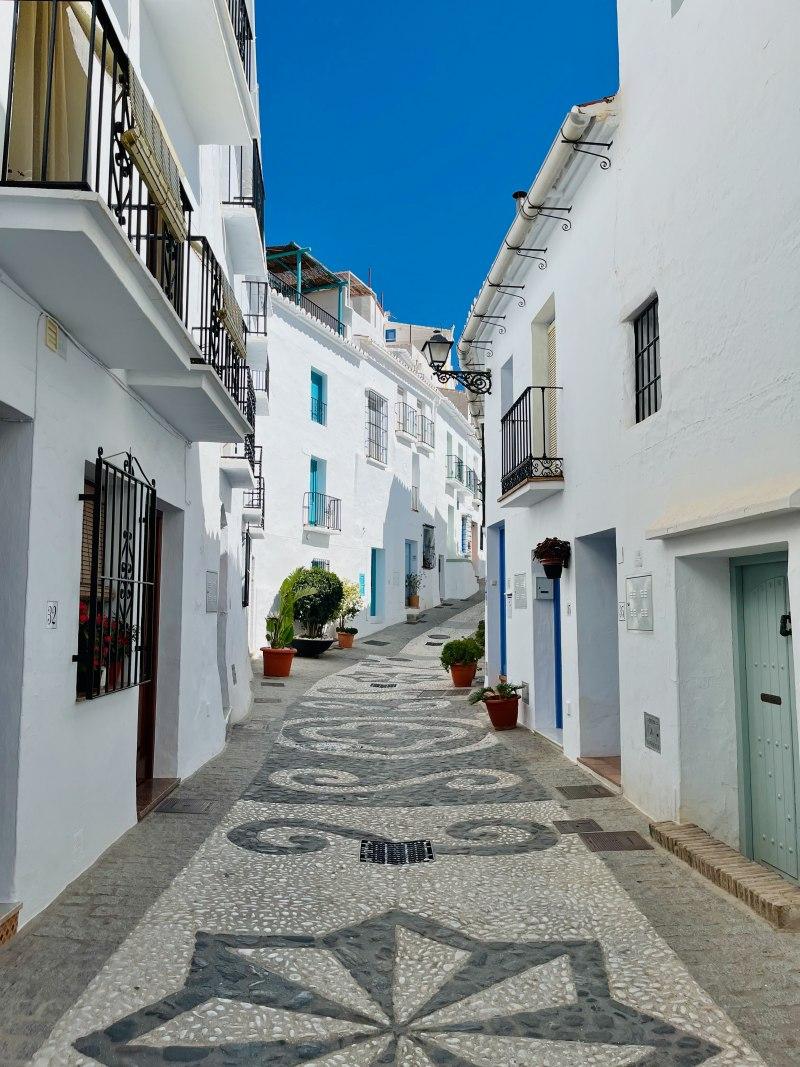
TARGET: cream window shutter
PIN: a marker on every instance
(551, 407)
(230, 315)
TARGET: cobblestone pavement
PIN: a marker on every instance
(280, 942)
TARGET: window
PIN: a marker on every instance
(319, 406)
(377, 427)
(428, 547)
(320, 564)
(248, 552)
(465, 535)
(391, 336)
(647, 361)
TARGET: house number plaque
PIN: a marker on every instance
(639, 602)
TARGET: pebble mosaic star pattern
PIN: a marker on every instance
(276, 945)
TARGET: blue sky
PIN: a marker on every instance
(395, 134)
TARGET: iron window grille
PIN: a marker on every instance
(406, 419)
(118, 594)
(466, 536)
(377, 427)
(257, 303)
(455, 469)
(322, 511)
(415, 498)
(319, 411)
(261, 380)
(320, 564)
(425, 430)
(647, 349)
(527, 431)
(428, 547)
(247, 543)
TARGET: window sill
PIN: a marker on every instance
(376, 463)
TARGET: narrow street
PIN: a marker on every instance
(280, 943)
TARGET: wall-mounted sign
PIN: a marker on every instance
(362, 585)
(652, 732)
(621, 611)
(520, 591)
(212, 591)
(639, 602)
(51, 615)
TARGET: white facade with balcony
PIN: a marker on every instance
(355, 453)
(122, 331)
(665, 450)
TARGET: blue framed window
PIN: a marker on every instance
(319, 405)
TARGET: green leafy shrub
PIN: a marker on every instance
(461, 651)
(480, 635)
(280, 625)
(499, 691)
(349, 606)
(321, 602)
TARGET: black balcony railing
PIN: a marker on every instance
(470, 478)
(303, 301)
(319, 410)
(477, 492)
(68, 109)
(529, 439)
(254, 499)
(256, 316)
(246, 180)
(406, 419)
(322, 511)
(243, 450)
(425, 431)
(455, 469)
(244, 36)
(261, 380)
(217, 329)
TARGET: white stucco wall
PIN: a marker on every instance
(674, 216)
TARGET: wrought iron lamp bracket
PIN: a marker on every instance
(476, 381)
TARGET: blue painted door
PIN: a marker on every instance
(373, 582)
(558, 695)
(501, 562)
(317, 410)
(313, 489)
(771, 736)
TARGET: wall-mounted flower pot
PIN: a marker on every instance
(463, 674)
(345, 640)
(503, 712)
(312, 646)
(277, 661)
(552, 567)
(412, 601)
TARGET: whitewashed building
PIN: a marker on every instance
(371, 470)
(646, 408)
(131, 208)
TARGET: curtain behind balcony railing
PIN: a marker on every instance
(63, 85)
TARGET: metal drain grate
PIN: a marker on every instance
(616, 841)
(383, 685)
(397, 853)
(374, 642)
(439, 637)
(184, 806)
(576, 826)
(266, 700)
(435, 644)
(275, 684)
(584, 792)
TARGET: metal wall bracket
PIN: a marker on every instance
(493, 320)
(477, 381)
(529, 253)
(506, 290)
(545, 211)
(577, 146)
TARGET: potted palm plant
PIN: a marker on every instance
(315, 610)
(278, 654)
(553, 554)
(502, 703)
(349, 607)
(460, 657)
(413, 584)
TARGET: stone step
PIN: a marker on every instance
(9, 921)
(769, 895)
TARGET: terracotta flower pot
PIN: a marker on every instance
(463, 674)
(503, 712)
(413, 600)
(552, 567)
(345, 640)
(277, 661)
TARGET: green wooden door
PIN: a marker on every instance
(770, 716)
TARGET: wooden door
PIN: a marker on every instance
(146, 736)
(770, 708)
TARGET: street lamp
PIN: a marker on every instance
(437, 351)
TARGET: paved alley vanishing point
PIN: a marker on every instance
(283, 943)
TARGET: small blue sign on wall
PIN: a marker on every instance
(390, 335)
(362, 585)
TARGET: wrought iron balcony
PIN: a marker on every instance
(425, 430)
(245, 184)
(243, 450)
(529, 440)
(77, 118)
(455, 469)
(470, 479)
(261, 380)
(256, 315)
(306, 304)
(415, 498)
(253, 504)
(244, 35)
(406, 419)
(218, 327)
(322, 512)
(319, 411)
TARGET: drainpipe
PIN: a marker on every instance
(574, 126)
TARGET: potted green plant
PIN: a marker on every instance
(315, 610)
(460, 657)
(278, 654)
(553, 554)
(413, 585)
(502, 703)
(351, 604)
